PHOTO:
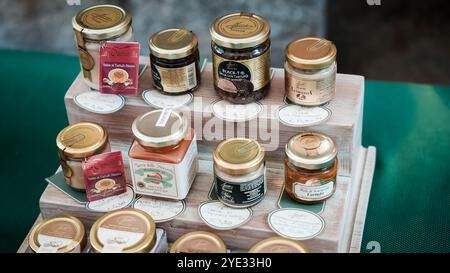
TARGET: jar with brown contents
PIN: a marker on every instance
(241, 57)
(310, 168)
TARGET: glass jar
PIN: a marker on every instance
(75, 143)
(199, 242)
(310, 168)
(163, 156)
(241, 57)
(310, 71)
(239, 172)
(94, 25)
(175, 61)
(58, 234)
(123, 231)
(278, 245)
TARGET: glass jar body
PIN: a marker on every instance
(310, 186)
(241, 75)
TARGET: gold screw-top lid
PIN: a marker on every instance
(311, 53)
(238, 156)
(59, 228)
(199, 242)
(240, 30)
(311, 150)
(82, 140)
(137, 223)
(173, 43)
(278, 245)
(154, 130)
(102, 22)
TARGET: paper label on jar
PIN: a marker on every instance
(164, 179)
(160, 210)
(313, 190)
(236, 112)
(99, 103)
(240, 193)
(112, 203)
(175, 79)
(218, 216)
(298, 116)
(296, 224)
(242, 76)
(157, 99)
(115, 241)
(51, 244)
(310, 92)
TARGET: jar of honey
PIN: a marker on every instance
(163, 156)
(310, 167)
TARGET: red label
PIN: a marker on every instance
(104, 175)
(119, 67)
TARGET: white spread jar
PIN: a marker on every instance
(310, 71)
(94, 25)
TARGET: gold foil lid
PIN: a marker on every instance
(159, 128)
(82, 140)
(199, 242)
(128, 220)
(59, 227)
(278, 245)
(238, 156)
(311, 53)
(311, 150)
(173, 43)
(240, 30)
(102, 22)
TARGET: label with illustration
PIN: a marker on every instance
(174, 80)
(164, 179)
(310, 92)
(314, 189)
(241, 76)
(240, 193)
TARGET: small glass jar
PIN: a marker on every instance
(163, 156)
(75, 143)
(94, 25)
(241, 57)
(58, 234)
(310, 71)
(175, 61)
(199, 242)
(310, 168)
(278, 245)
(123, 231)
(239, 172)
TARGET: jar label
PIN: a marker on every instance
(242, 76)
(51, 244)
(310, 92)
(218, 216)
(160, 210)
(115, 241)
(175, 80)
(314, 189)
(164, 179)
(240, 193)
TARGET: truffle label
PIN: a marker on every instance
(218, 216)
(296, 224)
(99, 103)
(298, 116)
(159, 209)
(174, 80)
(242, 193)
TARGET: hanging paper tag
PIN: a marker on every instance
(164, 117)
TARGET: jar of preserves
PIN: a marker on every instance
(94, 25)
(310, 71)
(199, 242)
(241, 57)
(163, 156)
(310, 167)
(239, 172)
(175, 61)
(278, 245)
(75, 143)
(58, 234)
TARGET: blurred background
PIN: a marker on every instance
(395, 41)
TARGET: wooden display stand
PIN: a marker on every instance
(344, 213)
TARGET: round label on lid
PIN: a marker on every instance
(100, 17)
(239, 26)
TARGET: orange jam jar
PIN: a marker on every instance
(310, 168)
